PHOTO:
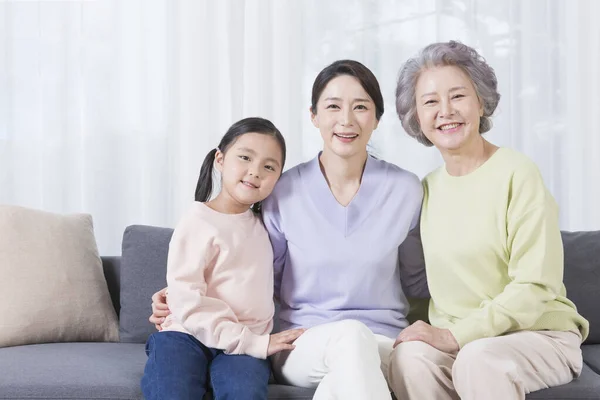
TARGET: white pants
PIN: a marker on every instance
(342, 360)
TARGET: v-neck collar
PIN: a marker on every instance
(345, 219)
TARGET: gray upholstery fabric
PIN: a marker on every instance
(582, 276)
(72, 371)
(586, 387)
(86, 371)
(111, 266)
(143, 272)
(282, 392)
(591, 356)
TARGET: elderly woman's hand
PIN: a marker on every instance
(441, 339)
(160, 309)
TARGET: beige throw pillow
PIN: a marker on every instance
(51, 280)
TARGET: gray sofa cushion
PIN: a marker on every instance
(587, 387)
(72, 371)
(591, 356)
(87, 371)
(111, 266)
(582, 276)
(143, 272)
(283, 392)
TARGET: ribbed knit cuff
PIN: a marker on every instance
(255, 345)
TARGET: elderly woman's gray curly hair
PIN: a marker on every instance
(443, 54)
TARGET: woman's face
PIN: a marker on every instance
(345, 117)
(448, 107)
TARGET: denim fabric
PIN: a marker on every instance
(180, 367)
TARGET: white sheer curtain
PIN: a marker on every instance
(109, 106)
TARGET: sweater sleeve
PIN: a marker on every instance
(535, 265)
(208, 319)
(272, 222)
(411, 262)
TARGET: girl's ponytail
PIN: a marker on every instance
(205, 181)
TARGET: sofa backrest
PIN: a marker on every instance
(142, 271)
(111, 267)
(582, 276)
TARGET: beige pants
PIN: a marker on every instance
(505, 367)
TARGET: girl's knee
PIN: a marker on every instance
(240, 377)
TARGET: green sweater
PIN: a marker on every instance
(494, 252)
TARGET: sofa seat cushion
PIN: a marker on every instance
(591, 356)
(283, 392)
(72, 371)
(586, 387)
(87, 371)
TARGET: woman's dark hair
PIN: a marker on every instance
(352, 68)
(246, 125)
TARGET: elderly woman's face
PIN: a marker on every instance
(448, 107)
(345, 116)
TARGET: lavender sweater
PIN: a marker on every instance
(333, 262)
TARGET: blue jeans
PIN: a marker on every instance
(179, 367)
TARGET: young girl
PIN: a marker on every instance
(220, 279)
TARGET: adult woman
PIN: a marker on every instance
(336, 223)
(501, 325)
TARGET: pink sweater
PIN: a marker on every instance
(220, 281)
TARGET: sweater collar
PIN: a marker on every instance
(345, 219)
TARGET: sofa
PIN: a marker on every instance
(105, 370)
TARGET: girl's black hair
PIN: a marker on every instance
(246, 125)
(352, 68)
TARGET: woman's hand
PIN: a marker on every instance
(441, 339)
(283, 341)
(160, 309)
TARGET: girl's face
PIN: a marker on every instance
(448, 107)
(249, 168)
(345, 117)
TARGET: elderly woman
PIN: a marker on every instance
(501, 324)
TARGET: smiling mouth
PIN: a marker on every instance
(346, 135)
(449, 127)
(250, 185)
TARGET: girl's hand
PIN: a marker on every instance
(283, 340)
(160, 309)
(441, 339)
